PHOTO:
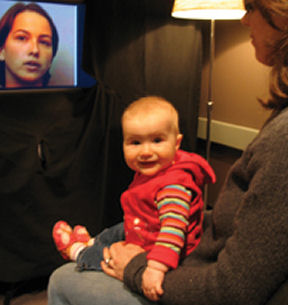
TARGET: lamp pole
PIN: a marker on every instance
(210, 89)
(210, 101)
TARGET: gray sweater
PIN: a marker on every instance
(243, 254)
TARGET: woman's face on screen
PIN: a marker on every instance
(27, 51)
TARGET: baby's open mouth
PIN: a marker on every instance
(147, 164)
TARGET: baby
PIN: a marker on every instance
(163, 206)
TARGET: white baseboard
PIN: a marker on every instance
(227, 134)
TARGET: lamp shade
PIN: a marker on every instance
(208, 9)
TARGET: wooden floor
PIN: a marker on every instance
(30, 292)
(33, 298)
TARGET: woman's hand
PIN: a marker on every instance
(117, 257)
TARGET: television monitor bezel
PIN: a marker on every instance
(83, 79)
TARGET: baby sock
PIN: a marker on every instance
(75, 249)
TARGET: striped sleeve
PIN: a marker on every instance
(173, 204)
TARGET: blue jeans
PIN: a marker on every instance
(90, 257)
(67, 286)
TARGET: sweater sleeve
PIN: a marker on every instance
(173, 204)
(249, 264)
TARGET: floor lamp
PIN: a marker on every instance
(209, 10)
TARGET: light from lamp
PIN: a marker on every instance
(208, 9)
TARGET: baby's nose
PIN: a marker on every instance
(146, 151)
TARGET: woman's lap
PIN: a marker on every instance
(70, 287)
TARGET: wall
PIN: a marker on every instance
(238, 80)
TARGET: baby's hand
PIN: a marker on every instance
(152, 280)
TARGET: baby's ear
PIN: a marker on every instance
(179, 140)
(2, 54)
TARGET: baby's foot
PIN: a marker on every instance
(63, 238)
(81, 234)
(71, 242)
(82, 239)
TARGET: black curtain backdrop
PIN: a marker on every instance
(61, 152)
(139, 49)
(58, 157)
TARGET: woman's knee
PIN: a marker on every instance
(57, 284)
(60, 274)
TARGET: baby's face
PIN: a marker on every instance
(150, 142)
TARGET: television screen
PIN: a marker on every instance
(41, 45)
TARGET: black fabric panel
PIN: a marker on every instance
(71, 181)
(173, 70)
(139, 49)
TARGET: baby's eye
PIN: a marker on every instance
(157, 140)
(135, 142)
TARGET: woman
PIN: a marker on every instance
(28, 44)
(242, 256)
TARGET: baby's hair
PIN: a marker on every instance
(151, 104)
